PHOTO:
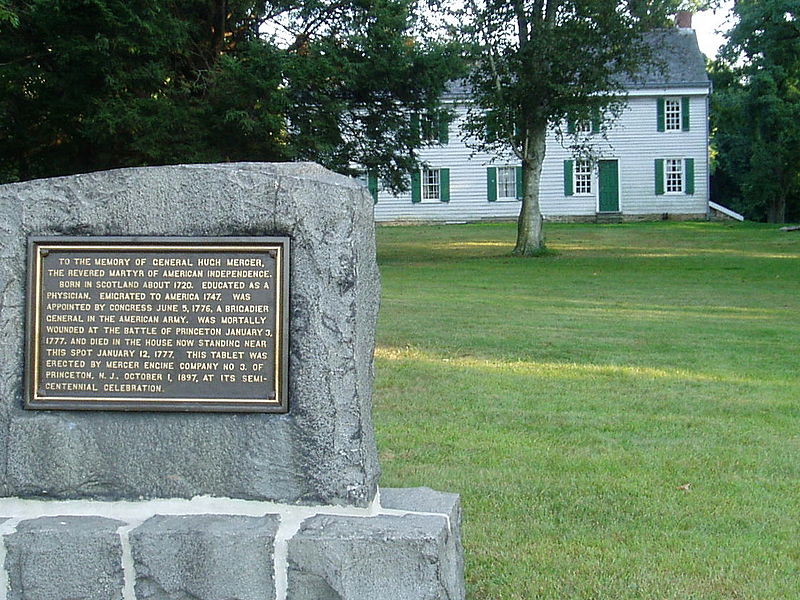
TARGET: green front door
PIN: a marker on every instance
(609, 185)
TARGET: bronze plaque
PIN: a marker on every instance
(180, 324)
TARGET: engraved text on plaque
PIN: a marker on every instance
(189, 324)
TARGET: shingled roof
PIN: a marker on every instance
(677, 61)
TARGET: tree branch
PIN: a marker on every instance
(551, 10)
(522, 21)
(536, 13)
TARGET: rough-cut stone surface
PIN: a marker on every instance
(65, 558)
(426, 500)
(204, 557)
(321, 452)
(376, 558)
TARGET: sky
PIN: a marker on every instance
(707, 22)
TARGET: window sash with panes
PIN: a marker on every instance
(431, 188)
(583, 177)
(431, 125)
(673, 175)
(583, 127)
(506, 182)
(672, 114)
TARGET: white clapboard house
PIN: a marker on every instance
(651, 163)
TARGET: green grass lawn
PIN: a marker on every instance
(569, 398)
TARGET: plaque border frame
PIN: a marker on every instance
(148, 404)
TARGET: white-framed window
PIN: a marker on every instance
(583, 127)
(582, 177)
(431, 185)
(432, 127)
(429, 125)
(673, 175)
(506, 183)
(672, 114)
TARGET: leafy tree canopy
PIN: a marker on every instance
(7, 15)
(97, 84)
(756, 111)
(539, 63)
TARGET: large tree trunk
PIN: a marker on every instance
(219, 17)
(530, 238)
(777, 209)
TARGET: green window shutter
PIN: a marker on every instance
(491, 184)
(372, 185)
(685, 113)
(415, 130)
(490, 132)
(660, 115)
(689, 169)
(444, 185)
(520, 187)
(416, 186)
(568, 166)
(597, 121)
(570, 125)
(659, 176)
(444, 130)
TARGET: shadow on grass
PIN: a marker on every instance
(635, 240)
(554, 370)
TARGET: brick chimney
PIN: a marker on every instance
(683, 19)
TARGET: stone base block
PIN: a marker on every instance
(426, 500)
(383, 557)
(213, 557)
(412, 551)
(65, 558)
(406, 548)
